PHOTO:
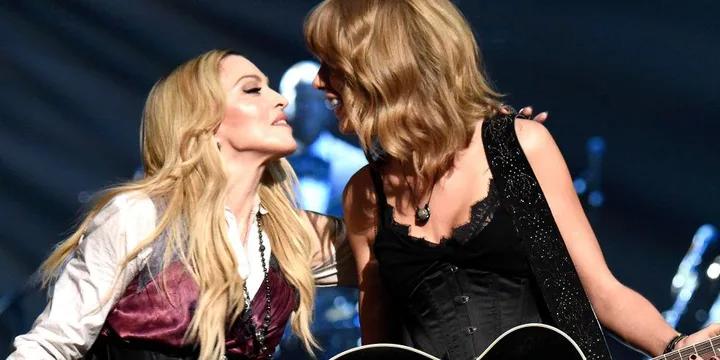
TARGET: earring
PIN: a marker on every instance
(218, 144)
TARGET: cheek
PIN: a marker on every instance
(247, 126)
(242, 120)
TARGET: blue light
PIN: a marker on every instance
(339, 301)
(580, 186)
(596, 145)
(596, 199)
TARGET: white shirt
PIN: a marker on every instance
(72, 320)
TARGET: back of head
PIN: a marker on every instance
(411, 75)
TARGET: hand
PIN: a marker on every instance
(698, 337)
(526, 113)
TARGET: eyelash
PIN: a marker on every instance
(255, 90)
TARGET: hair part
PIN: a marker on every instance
(183, 167)
(412, 76)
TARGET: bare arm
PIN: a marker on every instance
(376, 317)
(332, 263)
(620, 309)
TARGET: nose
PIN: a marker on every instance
(282, 102)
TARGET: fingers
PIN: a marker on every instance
(526, 113)
(714, 329)
(541, 117)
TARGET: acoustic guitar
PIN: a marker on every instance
(528, 341)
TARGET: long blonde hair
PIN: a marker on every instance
(182, 166)
(411, 74)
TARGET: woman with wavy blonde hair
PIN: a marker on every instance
(204, 257)
(466, 224)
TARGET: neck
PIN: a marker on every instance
(244, 176)
(412, 178)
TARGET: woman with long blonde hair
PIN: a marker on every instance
(207, 255)
(466, 223)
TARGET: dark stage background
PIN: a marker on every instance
(641, 74)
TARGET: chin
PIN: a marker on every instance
(281, 142)
(283, 148)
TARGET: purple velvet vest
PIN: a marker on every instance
(145, 318)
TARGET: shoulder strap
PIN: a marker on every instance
(549, 259)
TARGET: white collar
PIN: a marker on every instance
(237, 243)
(257, 207)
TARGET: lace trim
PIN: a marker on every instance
(481, 214)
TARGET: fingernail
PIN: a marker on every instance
(693, 357)
(547, 113)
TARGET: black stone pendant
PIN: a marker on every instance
(422, 215)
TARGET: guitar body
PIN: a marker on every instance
(528, 341)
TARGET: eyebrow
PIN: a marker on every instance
(253, 76)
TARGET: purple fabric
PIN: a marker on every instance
(283, 304)
(148, 316)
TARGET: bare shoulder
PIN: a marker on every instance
(359, 201)
(533, 136)
(359, 189)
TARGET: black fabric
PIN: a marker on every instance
(111, 348)
(106, 349)
(550, 261)
(461, 294)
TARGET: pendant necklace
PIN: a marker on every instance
(422, 214)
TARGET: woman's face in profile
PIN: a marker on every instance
(329, 82)
(254, 118)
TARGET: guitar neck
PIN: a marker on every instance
(705, 349)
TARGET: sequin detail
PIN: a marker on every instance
(549, 259)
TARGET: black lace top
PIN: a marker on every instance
(459, 295)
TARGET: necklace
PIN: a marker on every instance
(422, 214)
(260, 332)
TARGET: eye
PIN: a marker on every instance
(255, 90)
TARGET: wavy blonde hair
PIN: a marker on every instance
(182, 166)
(411, 75)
